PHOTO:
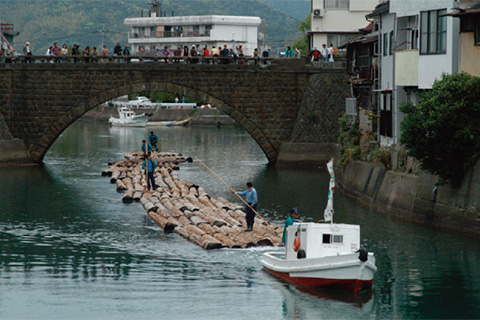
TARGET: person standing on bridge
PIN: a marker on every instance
(149, 165)
(117, 51)
(252, 201)
(153, 138)
(27, 51)
(289, 53)
(126, 52)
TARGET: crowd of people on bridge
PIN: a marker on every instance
(184, 54)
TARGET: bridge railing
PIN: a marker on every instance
(138, 59)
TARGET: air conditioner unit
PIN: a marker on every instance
(318, 13)
(351, 107)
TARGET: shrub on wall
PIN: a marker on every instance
(349, 137)
(443, 130)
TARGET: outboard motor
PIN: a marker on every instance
(363, 256)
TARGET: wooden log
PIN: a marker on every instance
(174, 222)
(181, 231)
(128, 197)
(115, 175)
(206, 201)
(211, 243)
(196, 220)
(184, 220)
(191, 229)
(128, 183)
(164, 213)
(226, 240)
(194, 191)
(137, 195)
(150, 206)
(202, 192)
(120, 185)
(207, 228)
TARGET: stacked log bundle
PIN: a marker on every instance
(181, 206)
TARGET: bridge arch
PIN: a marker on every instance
(39, 150)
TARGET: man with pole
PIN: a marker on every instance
(252, 201)
(149, 165)
(153, 138)
(146, 149)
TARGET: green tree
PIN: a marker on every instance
(302, 43)
(443, 130)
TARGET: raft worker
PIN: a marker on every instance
(153, 138)
(290, 220)
(252, 200)
(149, 165)
(146, 148)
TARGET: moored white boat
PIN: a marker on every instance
(323, 254)
(128, 118)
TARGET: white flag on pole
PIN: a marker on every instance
(328, 214)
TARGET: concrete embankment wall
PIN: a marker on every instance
(416, 198)
(198, 116)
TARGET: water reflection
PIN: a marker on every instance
(67, 241)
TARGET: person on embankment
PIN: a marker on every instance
(252, 199)
(290, 220)
(149, 165)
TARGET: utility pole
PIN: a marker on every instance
(102, 34)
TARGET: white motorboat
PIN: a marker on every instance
(128, 118)
(323, 254)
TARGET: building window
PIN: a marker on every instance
(477, 31)
(337, 4)
(433, 31)
(385, 44)
(390, 40)
(407, 33)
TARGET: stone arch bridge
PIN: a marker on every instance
(289, 107)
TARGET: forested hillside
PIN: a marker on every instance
(295, 8)
(43, 22)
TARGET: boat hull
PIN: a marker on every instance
(137, 121)
(343, 272)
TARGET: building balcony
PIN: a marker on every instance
(167, 34)
(406, 68)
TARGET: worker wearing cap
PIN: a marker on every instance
(252, 199)
(290, 220)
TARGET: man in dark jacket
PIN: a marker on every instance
(117, 51)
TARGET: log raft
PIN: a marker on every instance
(185, 208)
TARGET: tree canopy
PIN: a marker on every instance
(443, 130)
(302, 43)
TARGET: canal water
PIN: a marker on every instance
(69, 248)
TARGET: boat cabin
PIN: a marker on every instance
(125, 113)
(318, 240)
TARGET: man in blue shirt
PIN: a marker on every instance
(289, 222)
(149, 165)
(252, 200)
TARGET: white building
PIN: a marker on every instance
(417, 44)
(337, 21)
(152, 33)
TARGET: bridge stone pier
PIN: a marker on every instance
(290, 107)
